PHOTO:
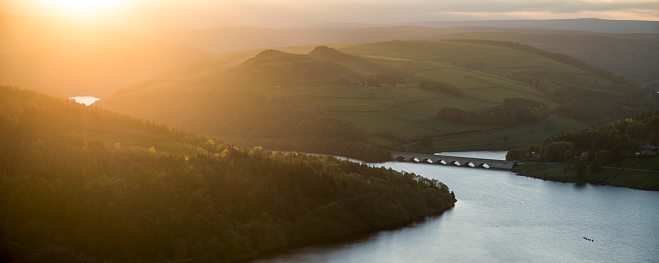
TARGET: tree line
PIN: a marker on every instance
(604, 144)
(610, 140)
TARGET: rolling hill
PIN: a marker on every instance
(82, 184)
(284, 99)
(63, 58)
(583, 24)
(272, 66)
(631, 56)
(627, 48)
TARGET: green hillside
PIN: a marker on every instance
(82, 184)
(272, 66)
(630, 55)
(270, 97)
(627, 48)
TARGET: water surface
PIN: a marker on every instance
(502, 217)
(87, 100)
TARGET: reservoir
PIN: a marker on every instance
(502, 217)
(87, 100)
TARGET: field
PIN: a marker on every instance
(642, 162)
(406, 113)
(506, 138)
(372, 121)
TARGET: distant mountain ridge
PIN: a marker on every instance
(581, 24)
(627, 48)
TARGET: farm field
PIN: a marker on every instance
(507, 138)
(326, 81)
(373, 121)
(328, 90)
(641, 162)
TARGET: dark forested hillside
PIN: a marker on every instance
(608, 142)
(83, 184)
(621, 153)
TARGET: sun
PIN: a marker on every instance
(81, 8)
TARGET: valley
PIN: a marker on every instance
(237, 142)
(329, 83)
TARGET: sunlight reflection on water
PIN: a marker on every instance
(87, 100)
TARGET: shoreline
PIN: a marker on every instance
(565, 173)
(345, 238)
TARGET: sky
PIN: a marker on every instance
(302, 13)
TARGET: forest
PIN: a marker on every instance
(607, 143)
(80, 183)
(610, 141)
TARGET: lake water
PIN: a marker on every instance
(87, 100)
(502, 217)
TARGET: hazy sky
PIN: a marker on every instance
(294, 13)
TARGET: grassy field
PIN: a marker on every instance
(497, 95)
(427, 109)
(410, 112)
(472, 82)
(641, 162)
(372, 121)
(344, 104)
(507, 138)
(445, 73)
(407, 113)
(327, 90)
(614, 177)
(412, 94)
(402, 108)
(445, 128)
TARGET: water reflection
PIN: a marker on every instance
(87, 100)
(579, 186)
(502, 217)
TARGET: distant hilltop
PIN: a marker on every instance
(583, 24)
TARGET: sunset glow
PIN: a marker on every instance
(83, 8)
(295, 13)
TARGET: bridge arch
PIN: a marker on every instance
(452, 160)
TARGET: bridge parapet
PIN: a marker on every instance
(453, 160)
